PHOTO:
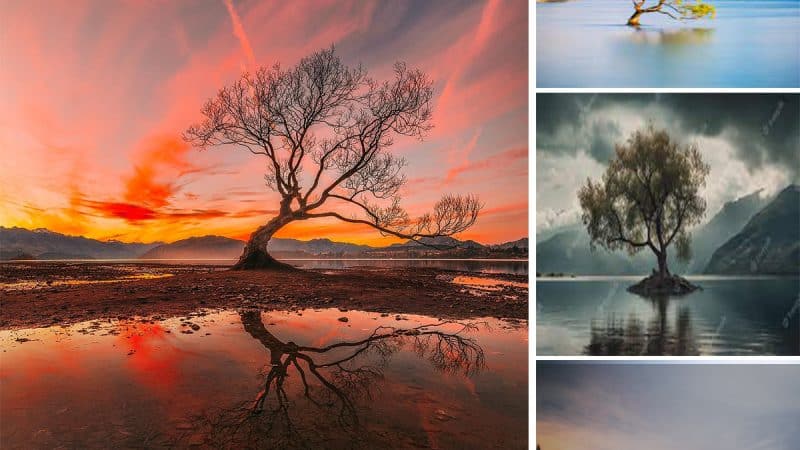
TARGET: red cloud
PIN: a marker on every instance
(162, 160)
(125, 211)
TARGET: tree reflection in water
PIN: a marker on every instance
(620, 337)
(675, 38)
(334, 380)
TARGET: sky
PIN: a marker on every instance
(96, 94)
(750, 141)
(657, 406)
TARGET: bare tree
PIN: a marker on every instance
(676, 9)
(325, 131)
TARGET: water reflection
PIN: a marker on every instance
(235, 382)
(729, 316)
(514, 267)
(334, 383)
(672, 37)
(620, 337)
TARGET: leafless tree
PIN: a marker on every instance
(325, 131)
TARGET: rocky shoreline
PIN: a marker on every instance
(654, 285)
(93, 292)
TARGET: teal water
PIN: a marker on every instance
(748, 44)
(730, 316)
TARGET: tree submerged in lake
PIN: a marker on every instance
(648, 198)
(325, 131)
(676, 9)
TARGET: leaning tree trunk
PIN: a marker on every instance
(634, 19)
(255, 254)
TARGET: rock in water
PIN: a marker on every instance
(655, 285)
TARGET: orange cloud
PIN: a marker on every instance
(500, 160)
(157, 168)
(96, 99)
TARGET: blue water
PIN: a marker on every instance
(729, 316)
(748, 44)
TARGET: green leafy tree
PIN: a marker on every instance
(648, 197)
(677, 9)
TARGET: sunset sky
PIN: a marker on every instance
(689, 405)
(96, 94)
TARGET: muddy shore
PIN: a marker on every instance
(44, 294)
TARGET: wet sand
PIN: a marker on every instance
(45, 294)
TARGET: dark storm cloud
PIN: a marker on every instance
(766, 126)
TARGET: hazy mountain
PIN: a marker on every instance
(768, 244)
(568, 249)
(204, 247)
(19, 243)
(519, 243)
(444, 242)
(44, 244)
(569, 252)
(544, 235)
(315, 247)
(218, 247)
(724, 225)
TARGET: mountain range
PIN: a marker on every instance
(568, 250)
(21, 243)
(768, 243)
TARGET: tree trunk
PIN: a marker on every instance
(663, 271)
(634, 19)
(255, 254)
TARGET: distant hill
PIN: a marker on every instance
(315, 247)
(519, 243)
(768, 244)
(204, 247)
(568, 251)
(442, 242)
(216, 247)
(21, 243)
(724, 225)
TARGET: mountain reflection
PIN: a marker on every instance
(313, 395)
(630, 337)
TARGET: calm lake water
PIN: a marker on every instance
(266, 379)
(730, 316)
(507, 266)
(748, 44)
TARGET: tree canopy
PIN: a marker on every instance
(648, 196)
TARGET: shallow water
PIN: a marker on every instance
(507, 266)
(369, 381)
(748, 44)
(597, 316)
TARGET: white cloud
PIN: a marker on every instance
(558, 178)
